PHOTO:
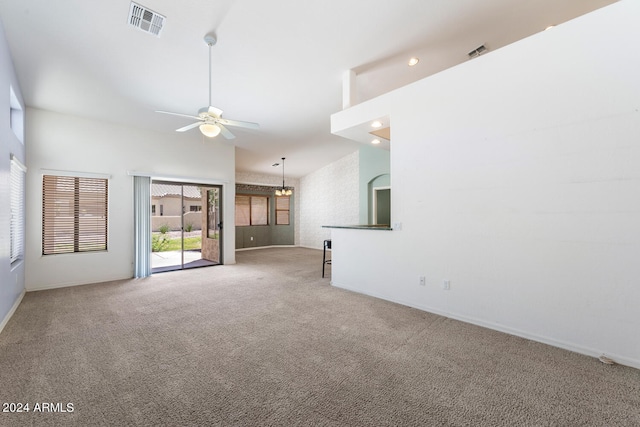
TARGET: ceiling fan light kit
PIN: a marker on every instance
(209, 130)
(210, 121)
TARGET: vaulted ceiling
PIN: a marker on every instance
(278, 63)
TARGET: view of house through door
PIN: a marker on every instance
(185, 225)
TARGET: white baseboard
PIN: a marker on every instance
(266, 247)
(13, 310)
(311, 247)
(621, 360)
(278, 246)
(72, 284)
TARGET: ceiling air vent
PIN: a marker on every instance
(146, 20)
(477, 51)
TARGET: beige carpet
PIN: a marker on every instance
(269, 342)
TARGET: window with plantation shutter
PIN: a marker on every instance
(17, 185)
(74, 214)
(252, 210)
(282, 210)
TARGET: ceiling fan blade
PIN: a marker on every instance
(211, 115)
(187, 127)
(215, 111)
(225, 132)
(178, 114)
(238, 123)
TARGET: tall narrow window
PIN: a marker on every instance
(282, 210)
(213, 213)
(74, 214)
(17, 177)
(16, 115)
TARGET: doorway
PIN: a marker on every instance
(186, 222)
(382, 206)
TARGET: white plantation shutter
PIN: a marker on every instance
(17, 185)
(74, 214)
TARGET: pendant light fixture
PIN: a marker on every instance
(283, 191)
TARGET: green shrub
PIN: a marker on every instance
(159, 242)
(164, 228)
(188, 227)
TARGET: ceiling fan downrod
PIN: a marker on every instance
(210, 40)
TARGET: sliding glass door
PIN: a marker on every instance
(185, 224)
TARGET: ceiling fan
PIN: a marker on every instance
(209, 119)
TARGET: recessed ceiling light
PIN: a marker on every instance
(376, 124)
(413, 61)
(375, 141)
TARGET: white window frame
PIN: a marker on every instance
(73, 174)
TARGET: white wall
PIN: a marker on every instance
(69, 143)
(11, 276)
(329, 196)
(276, 180)
(516, 177)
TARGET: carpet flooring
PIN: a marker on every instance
(269, 342)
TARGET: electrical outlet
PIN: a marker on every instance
(446, 285)
(252, 238)
(423, 281)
